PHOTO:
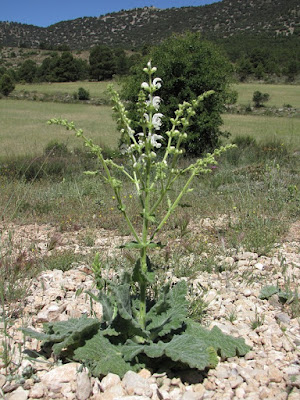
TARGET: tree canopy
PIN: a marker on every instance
(188, 66)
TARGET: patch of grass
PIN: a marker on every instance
(24, 129)
(264, 129)
(17, 267)
(257, 321)
(97, 90)
(63, 261)
(279, 94)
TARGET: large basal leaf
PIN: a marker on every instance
(225, 345)
(128, 328)
(42, 336)
(185, 349)
(102, 357)
(131, 349)
(170, 312)
(63, 334)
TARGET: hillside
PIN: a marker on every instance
(134, 28)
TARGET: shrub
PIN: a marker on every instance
(260, 98)
(83, 94)
(56, 149)
(6, 84)
(188, 66)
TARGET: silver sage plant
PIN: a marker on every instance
(137, 330)
(153, 176)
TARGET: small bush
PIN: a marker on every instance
(56, 149)
(260, 98)
(83, 94)
(6, 85)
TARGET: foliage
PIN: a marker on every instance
(6, 84)
(260, 98)
(27, 71)
(188, 67)
(83, 94)
(64, 68)
(102, 63)
(121, 344)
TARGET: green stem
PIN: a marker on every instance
(143, 288)
(175, 204)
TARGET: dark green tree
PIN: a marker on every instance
(188, 66)
(122, 62)
(102, 63)
(27, 71)
(64, 68)
(260, 98)
(83, 94)
(6, 84)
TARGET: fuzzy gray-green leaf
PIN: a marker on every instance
(102, 357)
(225, 345)
(185, 349)
(170, 313)
(268, 291)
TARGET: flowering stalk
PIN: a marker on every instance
(153, 179)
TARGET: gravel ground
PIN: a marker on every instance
(271, 370)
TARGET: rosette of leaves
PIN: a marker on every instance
(119, 343)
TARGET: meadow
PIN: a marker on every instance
(280, 95)
(24, 129)
(96, 89)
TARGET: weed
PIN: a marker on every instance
(257, 321)
(63, 261)
(231, 316)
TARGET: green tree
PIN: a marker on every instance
(121, 62)
(6, 84)
(102, 63)
(260, 98)
(64, 68)
(27, 71)
(188, 66)
(83, 94)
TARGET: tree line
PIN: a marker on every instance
(103, 63)
(252, 57)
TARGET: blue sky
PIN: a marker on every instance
(45, 13)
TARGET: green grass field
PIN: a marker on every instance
(279, 94)
(23, 128)
(96, 89)
(264, 128)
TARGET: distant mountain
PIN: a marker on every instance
(136, 27)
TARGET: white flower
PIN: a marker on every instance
(156, 120)
(157, 83)
(124, 148)
(130, 132)
(145, 86)
(154, 140)
(155, 102)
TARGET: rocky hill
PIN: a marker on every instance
(134, 28)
